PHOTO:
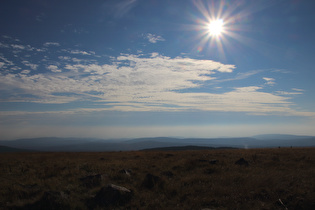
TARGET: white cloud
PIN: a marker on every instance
(130, 78)
(64, 58)
(15, 68)
(7, 62)
(18, 47)
(25, 72)
(53, 68)
(297, 89)
(31, 65)
(269, 81)
(288, 93)
(48, 44)
(81, 52)
(143, 83)
(4, 45)
(153, 38)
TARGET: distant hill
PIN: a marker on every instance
(280, 137)
(89, 144)
(4, 149)
(185, 148)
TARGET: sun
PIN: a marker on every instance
(216, 27)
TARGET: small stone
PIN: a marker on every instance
(242, 162)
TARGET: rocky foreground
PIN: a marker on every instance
(208, 179)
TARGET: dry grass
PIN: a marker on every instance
(186, 179)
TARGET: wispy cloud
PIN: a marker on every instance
(297, 89)
(18, 47)
(53, 68)
(25, 72)
(239, 76)
(6, 61)
(269, 81)
(40, 17)
(47, 44)
(279, 92)
(81, 52)
(153, 38)
(31, 65)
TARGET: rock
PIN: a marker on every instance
(168, 174)
(151, 181)
(242, 162)
(214, 161)
(202, 160)
(169, 155)
(51, 200)
(112, 195)
(29, 191)
(93, 180)
(125, 171)
(209, 171)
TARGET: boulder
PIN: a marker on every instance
(93, 180)
(214, 161)
(242, 162)
(51, 200)
(112, 195)
(150, 181)
(125, 171)
(168, 174)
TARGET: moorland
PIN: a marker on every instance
(278, 178)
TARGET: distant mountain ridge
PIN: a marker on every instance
(280, 137)
(91, 144)
(5, 149)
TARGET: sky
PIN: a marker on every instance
(142, 68)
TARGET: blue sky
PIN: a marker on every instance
(135, 68)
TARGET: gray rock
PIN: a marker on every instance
(93, 180)
(214, 161)
(125, 171)
(150, 181)
(51, 200)
(242, 162)
(112, 195)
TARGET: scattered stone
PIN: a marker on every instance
(168, 174)
(112, 195)
(209, 171)
(242, 162)
(29, 191)
(169, 155)
(214, 161)
(151, 181)
(50, 200)
(93, 180)
(125, 171)
(202, 160)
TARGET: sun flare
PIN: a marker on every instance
(215, 27)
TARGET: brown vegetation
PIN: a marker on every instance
(273, 179)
